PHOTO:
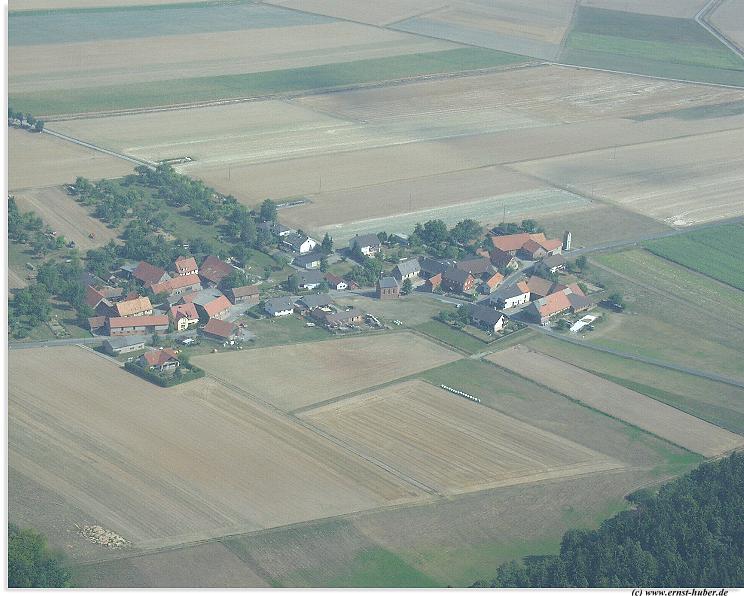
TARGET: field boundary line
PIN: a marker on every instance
(701, 18)
(437, 340)
(69, 139)
(728, 285)
(660, 363)
(569, 29)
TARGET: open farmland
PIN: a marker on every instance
(712, 252)
(652, 45)
(380, 12)
(163, 466)
(294, 376)
(36, 160)
(685, 9)
(19, 5)
(526, 27)
(667, 422)
(65, 216)
(681, 182)
(729, 18)
(449, 443)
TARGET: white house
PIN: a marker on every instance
(280, 307)
(512, 296)
(299, 243)
(369, 244)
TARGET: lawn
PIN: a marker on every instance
(714, 252)
(184, 91)
(282, 330)
(714, 402)
(453, 337)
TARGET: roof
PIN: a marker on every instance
(171, 285)
(515, 290)
(408, 267)
(93, 297)
(493, 280)
(553, 261)
(314, 300)
(333, 279)
(551, 244)
(216, 306)
(143, 321)
(214, 270)
(147, 273)
(339, 317)
(296, 240)
(540, 286)
(125, 341)
(202, 297)
(281, 303)
(312, 277)
(485, 314)
(96, 322)
(576, 289)
(475, 266)
(500, 258)
(510, 242)
(185, 264)
(388, 282)
(435, 280)
(365, 240)
(188, 310)
(532, 247)
(242, 291)
(159, 357)
(456, 275)
(552, 304)
(303, 260)
(435, 266)
(578, 301)
(224, 329)
(130, 307)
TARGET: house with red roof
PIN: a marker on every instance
(181, 284)
(185, 266)
(219, 330)
(163, 360)
(184, 316)
(213, 270)
(149, 274)
(137, 325)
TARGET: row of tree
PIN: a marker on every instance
(24, 120)
(689, 534)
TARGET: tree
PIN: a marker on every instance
(326, 246)
(39, 126)
(616, 300)
(324, 264)
(466, 231)
(407, 286)
(383, 236)
(31, 564)
(30, 120)
(268, 210)
(434, 231)
(235, 279)
(293, 283)
(529, 225)
(581, 263)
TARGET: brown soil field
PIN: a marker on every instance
(293, 376)
(380, 12)
(729, 19)
(681, 182)
(636, 409)
(65, 216)
(112, 62)
(36, 160)
(449, 443)
(166, 466)
(684, 9)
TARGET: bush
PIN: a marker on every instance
(162, 380)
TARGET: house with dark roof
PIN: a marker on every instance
(408, 269)
(334, 319)
(487, 318)
(299, 243)
(308, 261)
(214, 270)
(123, 345)
(179, 285)
(149, 274)
(309, 280)
(388, 288)
(457, 280)
(431, 266)
(551, 264)
(164, 360)
(511, 296)
(311, 301)
(532, 251)
(223, 331)
(281, 306)
(476, 267)
(541, 287)
(369, 244)
(186, 266)
(502, 260)
(244, 295)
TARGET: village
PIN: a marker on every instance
(503, 284)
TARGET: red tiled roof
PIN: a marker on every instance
(550, 245)
(435, 280)
(96, 322)
(553, 304)
(216, 306)
(522, 285)
(93, 297)
(219, 328)
(171, 285)
(147, 273)
(145, 321)
(187, 310)
(185, 264)
(510, 242)
(131, 307)
(214, 269)
(244, 291)
(576, 289)
(494, 280)
(159, 357)
(531, 246)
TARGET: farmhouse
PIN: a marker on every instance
(183, 316)
(299, 243)
(335, 282)
(338, 319)
(511, 296)
(409, 269)
(487, 318)
(551, 264)
(123, 345)
(210, 304)
(137, 325)
(503, 260)
(177, 286)
(568, 298)
(490, 282)
(308, 261)
(308, 280)
(457, 280)
(281, 306)
(476, 267)
(96, 324)
(213, 270)
(133, 308)
(223, 331)
(369, 244)
(185, 266)
(527, 246)
(540, 287)
(149, 274)
(433, 282)
(388, 288)
(244, 295)
(431, 266)
(312, 301)
(97, 301)
(163, 360)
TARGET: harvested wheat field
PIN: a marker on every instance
(636, 409)
(683, 9)
(293, 376)
(449, 443)
(65, 216)
(680, 182)
(104, 62)
(729, 18)
(379, 12)
(36, 160)
(162, 466)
